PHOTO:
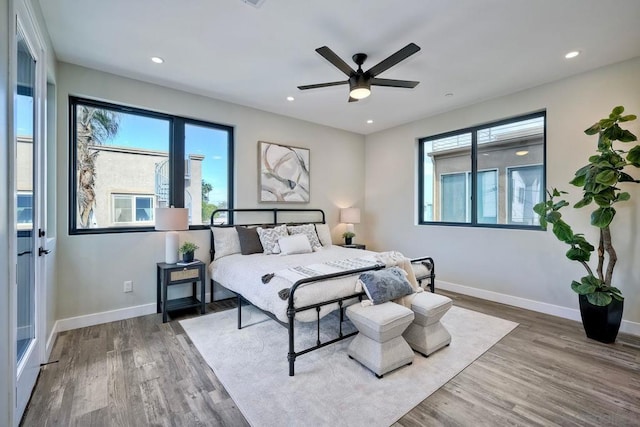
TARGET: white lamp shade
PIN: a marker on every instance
(350, 215)
(171, 219)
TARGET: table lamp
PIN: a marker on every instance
(350, 216)
(170, 220)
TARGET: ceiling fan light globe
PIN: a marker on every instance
(360, 92)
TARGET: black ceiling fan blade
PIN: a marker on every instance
(344, 82)
(399, 56)
(338, 62)
(394, 83)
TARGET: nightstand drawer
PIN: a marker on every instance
(192, 273)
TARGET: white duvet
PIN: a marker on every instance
(243, 274)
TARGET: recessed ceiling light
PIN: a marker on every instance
(572, 54)
(369, 121)
(290, 98)
(522, 153)
(157, 59)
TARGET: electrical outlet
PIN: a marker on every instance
(128, 286)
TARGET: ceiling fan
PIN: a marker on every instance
(359, 81)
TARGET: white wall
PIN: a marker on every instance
(92, 268)
(516, 263)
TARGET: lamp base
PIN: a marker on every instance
(171, 241)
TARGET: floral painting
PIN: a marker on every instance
(284, 173)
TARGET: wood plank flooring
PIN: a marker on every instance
(141, 372)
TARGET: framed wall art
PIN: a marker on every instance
(283, 173)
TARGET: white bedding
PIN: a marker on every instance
(242, 274)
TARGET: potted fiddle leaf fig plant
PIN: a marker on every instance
(187, 250)
(601, 303)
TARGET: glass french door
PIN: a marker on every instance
(28, 125)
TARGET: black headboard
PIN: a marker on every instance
(270, 217)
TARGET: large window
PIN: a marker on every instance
(127, 161)
(501, 163)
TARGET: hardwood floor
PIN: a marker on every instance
(140, 372)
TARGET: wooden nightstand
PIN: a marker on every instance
(354, 246)
(174, 274)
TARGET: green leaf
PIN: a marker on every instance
(584, 170)
(593, 129)
(633, 156)
(599, 298)
(623, 197)
(578, 181)
(607, 177)
(602, 217)
(606, 123)
(562, 230)
(581, 288)
(618, 110)
(618, 297)
(603, 200)
(556, 193)
(615, 290)
(628, 118)
(584, 202)
(559, 205)
(553, 217)
(540, 208)
(625, 177)
(578, 254)
(593, 159)
(591, 280)
(543, 223)
(626, 136)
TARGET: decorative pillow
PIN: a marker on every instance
(269, 238)
(308, 230)
(324, 234)
(294, 244)
(225, 241)
(385, 285)
(249, 240)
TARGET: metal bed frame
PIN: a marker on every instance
(292, 309)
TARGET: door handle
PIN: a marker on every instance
(42, 251)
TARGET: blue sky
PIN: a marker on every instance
(153, 134)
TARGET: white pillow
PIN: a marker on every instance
(225, 241)
(324, 234)
(308, 230)
(269, 238)
(295, 244)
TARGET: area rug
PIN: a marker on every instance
(328, 388)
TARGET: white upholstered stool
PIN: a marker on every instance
(426, 334)
(379, 344)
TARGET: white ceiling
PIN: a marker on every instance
(257, 57)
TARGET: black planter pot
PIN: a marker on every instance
(187, 257)
(601, 323)
(347, 240)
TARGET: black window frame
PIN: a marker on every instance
(176, 161)
(474, 171)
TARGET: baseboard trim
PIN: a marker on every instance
(104, 317)
(627, 326)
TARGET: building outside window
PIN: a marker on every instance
(502, 162)
(126, 162)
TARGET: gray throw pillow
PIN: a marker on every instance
(249, 240)
(385, 285)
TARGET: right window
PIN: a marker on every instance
(489, 175)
